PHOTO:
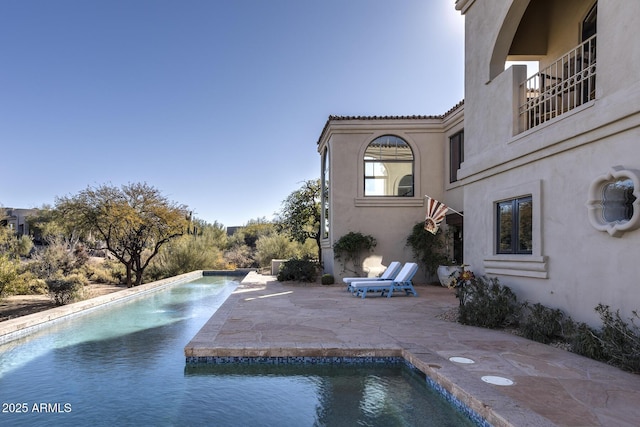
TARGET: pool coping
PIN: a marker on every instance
(15, 328)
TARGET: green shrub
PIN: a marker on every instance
(52, 260)
(327, 279)
(616, 343)
(36, 286)
(584, 340)
(81, 255)
(542, 324)
(14, 246)
(26, 284)
(63, 291)
(98, 272)
(182, 255)
(240, 256)
(428, 248)
(620, 341)
(78, 279)
(116, 269)
(299, 270)
(25, 245)
(275, 246)
(8, 273)
(349, 248)
(486, 303)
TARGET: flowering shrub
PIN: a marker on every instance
(458, 281)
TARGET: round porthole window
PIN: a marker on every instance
(614, 201)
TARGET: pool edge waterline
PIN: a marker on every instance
(24, 325)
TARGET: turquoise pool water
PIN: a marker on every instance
(125, 365)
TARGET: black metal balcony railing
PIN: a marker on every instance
(562, 86)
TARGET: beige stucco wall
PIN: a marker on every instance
(574, 266)
(388, 219)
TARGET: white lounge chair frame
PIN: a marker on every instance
(389, 274)
(402, 282)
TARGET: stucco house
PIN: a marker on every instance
(545, 165)
(375, 173)
(16, 219)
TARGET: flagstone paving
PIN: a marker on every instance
(551, 386)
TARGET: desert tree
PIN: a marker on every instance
(134, 221)
(299, 216)
(46, 225)
(200, 249)
(241, 247)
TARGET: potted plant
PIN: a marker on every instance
(448, 272)
(449, 269)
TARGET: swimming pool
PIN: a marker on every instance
(125, 365)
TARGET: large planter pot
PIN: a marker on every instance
(445, 272)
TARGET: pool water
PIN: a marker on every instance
(125, 365)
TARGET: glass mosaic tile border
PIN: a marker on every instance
(298, 360)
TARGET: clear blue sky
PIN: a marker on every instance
(217, 103)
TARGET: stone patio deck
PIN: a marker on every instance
(550, 386)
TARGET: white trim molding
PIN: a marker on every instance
(596, 202)
(517, 265)
(463, 5)
(533, 265)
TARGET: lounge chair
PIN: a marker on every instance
(402, 282)
(389, 274)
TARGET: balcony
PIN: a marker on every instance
(562, 86)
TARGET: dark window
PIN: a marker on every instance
(617, 201)
(456, 155)
(514, 226)
(455, 232)
(405, 187)
(589, 25)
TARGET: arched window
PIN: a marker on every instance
(388, 167)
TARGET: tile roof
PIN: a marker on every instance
(333, 118)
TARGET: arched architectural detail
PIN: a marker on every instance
(505, 36)
(614, 201)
